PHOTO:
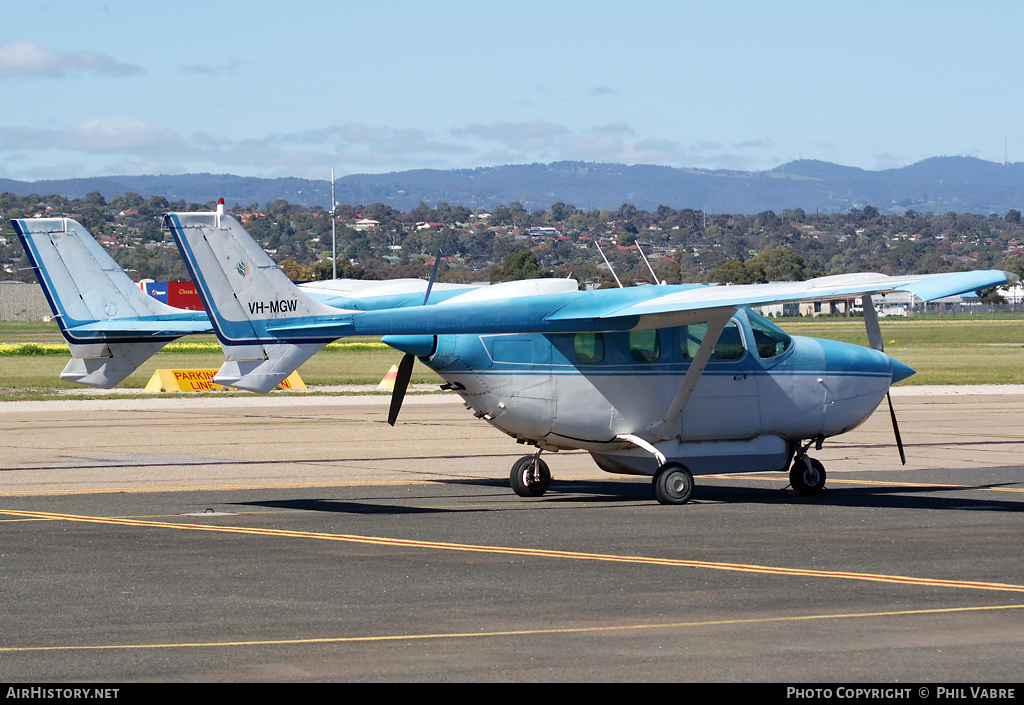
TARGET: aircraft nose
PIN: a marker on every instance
(900, 371)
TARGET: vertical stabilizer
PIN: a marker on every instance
(111, 326)
(255, 309)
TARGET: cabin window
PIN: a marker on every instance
(588, 348)
(728, 347)
(644, 345)
(769, 339)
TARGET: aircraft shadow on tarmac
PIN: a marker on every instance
(343, 507)
(589, 492)
(875, 496)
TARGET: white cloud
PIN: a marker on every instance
(131, 145)
(533, 136)
(19, 59)
(120, 133)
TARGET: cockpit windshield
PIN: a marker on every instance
(769, 339)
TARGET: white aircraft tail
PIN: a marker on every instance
(111, 326)
(252, 305)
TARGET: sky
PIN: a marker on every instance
(289, 89)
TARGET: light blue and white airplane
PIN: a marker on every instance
(666, 381)
(111, 326)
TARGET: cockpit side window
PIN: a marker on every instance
(588, 348)
(769, 339)
(728, 347)
(644, 345)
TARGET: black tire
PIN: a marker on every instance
(673, 484)
(530, 477)
(807, 477)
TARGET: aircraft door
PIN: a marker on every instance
(724, 404)
(790, 380)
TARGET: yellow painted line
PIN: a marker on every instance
(512, 632)
(535, 552)
(927, 485)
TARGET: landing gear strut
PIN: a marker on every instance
(673, 484)
(530, 476)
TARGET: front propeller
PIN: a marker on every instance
(401, 385)
(875, 341)
(405, 366)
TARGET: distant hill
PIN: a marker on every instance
(939, 184)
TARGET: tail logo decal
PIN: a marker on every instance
(242, 268)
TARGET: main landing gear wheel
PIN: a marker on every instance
(807, 475)
(530, 476)
(673, 484)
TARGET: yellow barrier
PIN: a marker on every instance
(201, 381)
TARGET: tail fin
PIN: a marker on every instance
(261, 318)
(111, 326)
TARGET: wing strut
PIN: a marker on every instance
(668, 427)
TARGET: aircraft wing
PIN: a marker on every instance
(661, 310)
(267, 326)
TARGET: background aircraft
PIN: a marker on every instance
(664, 381)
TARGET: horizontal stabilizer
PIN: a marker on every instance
(123, 328)
(332, 329)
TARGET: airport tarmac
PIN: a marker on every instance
(300, 538)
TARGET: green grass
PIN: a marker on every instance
(983, 349)
(357, 360)
(913, 331)
(943, 350)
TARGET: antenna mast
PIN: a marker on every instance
(654, 276)
(334, 229)
(608, 264)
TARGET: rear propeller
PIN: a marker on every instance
(875, 341)
(405, 366)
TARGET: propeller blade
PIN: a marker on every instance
(871, 323)
(433, 276)
(896, 429)
(405, 366)
(875, 341)
(401, 384)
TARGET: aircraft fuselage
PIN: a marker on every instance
(760, 394)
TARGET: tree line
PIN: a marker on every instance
(509, 242)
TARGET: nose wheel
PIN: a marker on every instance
(807, 475)
(530, 476)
